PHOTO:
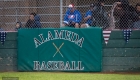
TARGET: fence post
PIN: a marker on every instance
(61, 12)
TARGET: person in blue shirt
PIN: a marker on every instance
(37, 21)
(87, 18)
(72, 17)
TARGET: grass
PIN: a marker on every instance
(69, 76)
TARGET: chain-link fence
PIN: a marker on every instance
(52, 12)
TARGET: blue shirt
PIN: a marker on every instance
(88, 13)
(72, 16)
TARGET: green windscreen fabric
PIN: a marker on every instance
(64, 49)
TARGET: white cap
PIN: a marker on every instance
(71, 6)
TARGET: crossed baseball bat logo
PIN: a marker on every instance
(58, 49)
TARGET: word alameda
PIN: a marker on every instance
(63, 34)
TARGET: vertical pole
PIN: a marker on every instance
(16, 15)
(17, 6)
(61, 12)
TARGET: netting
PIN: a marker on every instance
(52, 13)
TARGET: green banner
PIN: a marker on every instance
(65, 49)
